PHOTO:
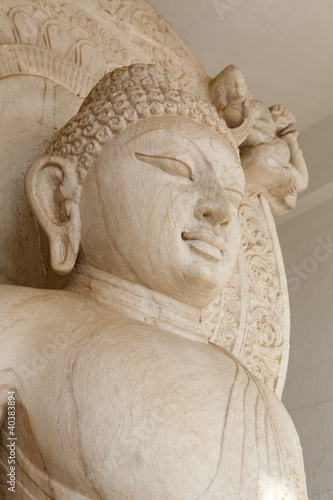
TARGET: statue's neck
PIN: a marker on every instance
(139, 302)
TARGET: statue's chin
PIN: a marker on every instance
(203, 285)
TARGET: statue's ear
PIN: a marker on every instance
(54, 193)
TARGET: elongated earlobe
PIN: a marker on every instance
(53, 192)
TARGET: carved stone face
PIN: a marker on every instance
(160, 206)
(236, 87)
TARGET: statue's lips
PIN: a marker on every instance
(204, 244)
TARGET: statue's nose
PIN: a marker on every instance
(216, 210)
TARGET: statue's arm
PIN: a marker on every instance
(297, 160)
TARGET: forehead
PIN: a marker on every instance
(177, 133)
(181, 138)
(235, 74)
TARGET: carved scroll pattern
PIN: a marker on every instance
(223, 316)
(143, 18)
(154, 40)
(110, 33)
(264, 338)
(60, 41)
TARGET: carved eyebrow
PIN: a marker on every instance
(172, 166)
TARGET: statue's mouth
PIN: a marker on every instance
(204, 244)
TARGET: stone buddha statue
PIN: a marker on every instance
(119, 393)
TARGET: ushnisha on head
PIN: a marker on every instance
(160, 205)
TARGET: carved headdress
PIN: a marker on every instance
(121, 98)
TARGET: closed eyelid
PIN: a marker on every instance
(172, 166)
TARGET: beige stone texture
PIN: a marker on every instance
(144, 309)
(46, 53)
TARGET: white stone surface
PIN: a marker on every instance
(122, 383)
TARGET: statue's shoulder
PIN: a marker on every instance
(31, 318)
(14, 301)
(28, 304)
(9, 292)
(14, 296)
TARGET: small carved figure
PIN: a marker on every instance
(119, 393)
(272, 161)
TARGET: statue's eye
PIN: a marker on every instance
(169, 165)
